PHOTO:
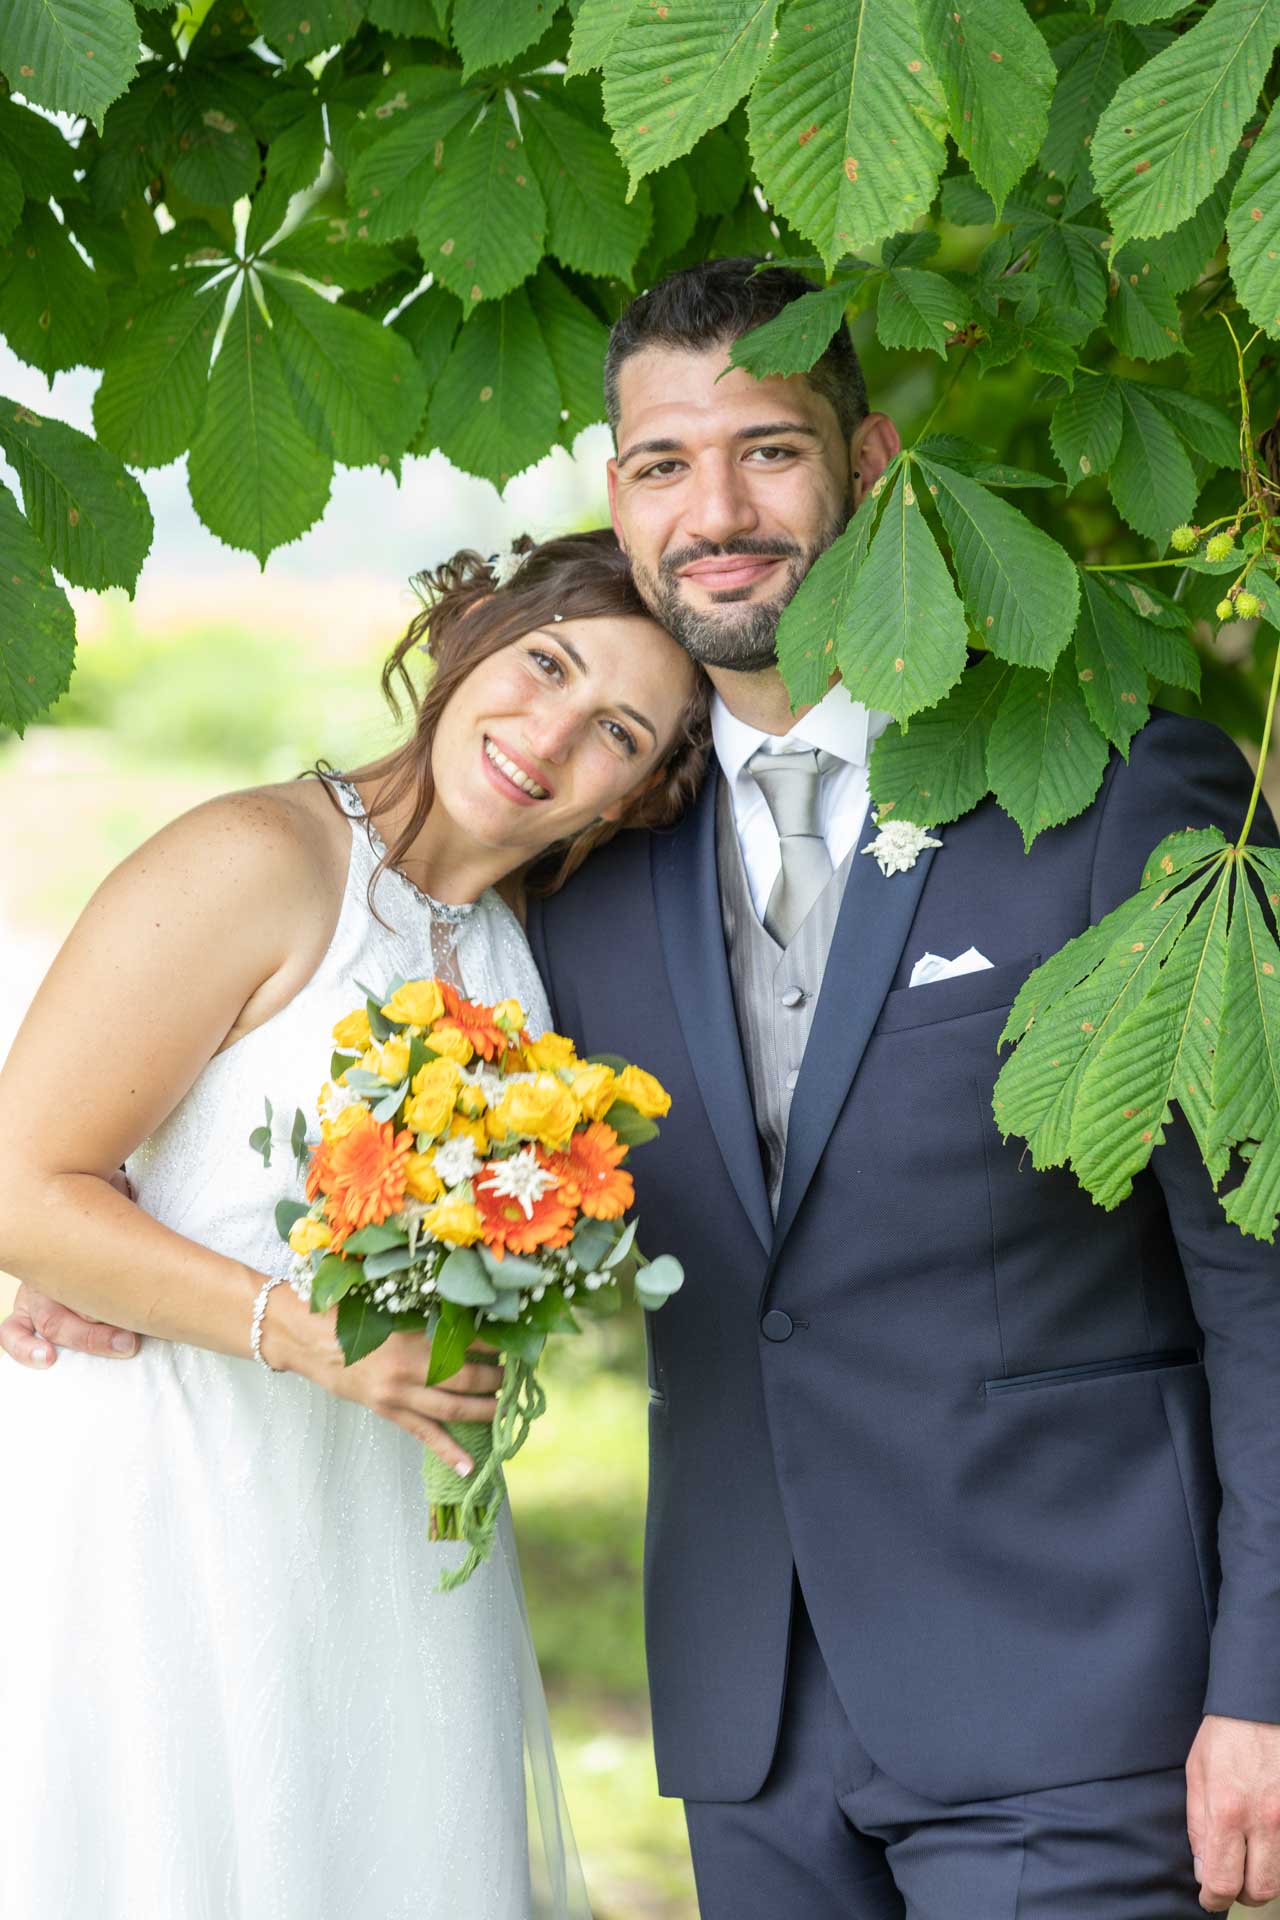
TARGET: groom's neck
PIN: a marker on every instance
(759, 700)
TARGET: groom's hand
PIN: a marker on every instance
(1233, 1811)
(38, 1326)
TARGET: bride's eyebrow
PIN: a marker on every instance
(585, 671)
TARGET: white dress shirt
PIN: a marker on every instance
(838, 725)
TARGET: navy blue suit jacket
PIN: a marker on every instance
(987, 1444)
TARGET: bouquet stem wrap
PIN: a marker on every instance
(468, 1509)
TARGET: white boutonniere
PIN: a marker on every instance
(898, 845)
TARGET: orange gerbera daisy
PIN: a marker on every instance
(591, 1173)
(476, 1022)
(509, 1228)
(362, 1175)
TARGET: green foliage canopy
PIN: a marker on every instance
(294, 233)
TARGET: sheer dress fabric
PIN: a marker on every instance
(230, 1690)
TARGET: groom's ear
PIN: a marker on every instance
(611, 471)
(875, 442)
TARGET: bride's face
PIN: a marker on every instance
(558, 730)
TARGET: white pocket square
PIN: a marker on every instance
(931, 966)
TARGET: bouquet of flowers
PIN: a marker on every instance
(470, 1182)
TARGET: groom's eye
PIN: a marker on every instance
(772, 456)
(660, 470)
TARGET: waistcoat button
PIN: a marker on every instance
(793, 997)
(777, 1325)
(792, 1080)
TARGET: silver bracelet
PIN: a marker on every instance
(259, 1313)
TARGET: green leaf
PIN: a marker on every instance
(1145, 322)
(75, 56)
(576, 341)
(1169, 132)
(593, 1242)
(1090, 68)
(1142, 11)
(917, 309)
(410, 18)
(1185, 253)
(288, 1213)
(323, 250)
(1116, 963)
(819, 611)
(998, 78)
(672, 73)
(597, 26)
(1163, 1050)
(294, 159)
(1111, 664)
(1070, 269)
(1253, 231)
(1086, 427)
(526, 1343)
(378, 1266)
(377, 1239)
(631, 1127)
(1210, 433)
(1170, 656)
(795, 339)
(301, 29)
(848, 123)
(658, 1280)
(482, 226)
(37, 626)
(54, 309)
(904, 643)
(357, 386)
(496, 406)
(391, 179)
(1152, 482)
(937, 770)
(362, 1327)
(1246, 1080)
(463, 1281)
(91, 515)
(1045, 758)
(332, 1281)
(1019, 587)
(214, 158)
(454, 1332)
(11, 198)
(430, 324)
(488, 33)
(591, 225)
(151, 400)
(43, 160)
(257, 480)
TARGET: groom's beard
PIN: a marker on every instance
(742, 641)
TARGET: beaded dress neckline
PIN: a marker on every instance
(452, 914)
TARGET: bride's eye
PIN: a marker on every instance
(546, 663)
(625, 739)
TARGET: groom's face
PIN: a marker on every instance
(724, 491)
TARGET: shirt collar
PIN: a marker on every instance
(839, 725)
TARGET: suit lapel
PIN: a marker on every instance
(875, 919)
(687, 896)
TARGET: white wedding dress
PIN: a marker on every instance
(229, 1689)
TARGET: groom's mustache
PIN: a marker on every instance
(671, 563)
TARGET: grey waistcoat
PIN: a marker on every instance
(775, 989)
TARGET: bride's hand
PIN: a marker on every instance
(389, 1381)
(38, 1326)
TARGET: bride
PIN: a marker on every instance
(230, 1688)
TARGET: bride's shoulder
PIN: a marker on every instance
(286, 837)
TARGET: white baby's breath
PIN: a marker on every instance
(898, 845)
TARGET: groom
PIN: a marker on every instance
(964, 1522)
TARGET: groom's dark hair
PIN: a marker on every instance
(714, 304)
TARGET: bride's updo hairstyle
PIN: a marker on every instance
(473, 608)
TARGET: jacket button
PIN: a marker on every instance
(777, 1325)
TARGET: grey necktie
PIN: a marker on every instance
(791, 785)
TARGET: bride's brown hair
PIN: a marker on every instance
(468, 615)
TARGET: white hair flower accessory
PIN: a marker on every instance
(505, 566)
(898, 845)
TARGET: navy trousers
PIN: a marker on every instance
(831, 1837)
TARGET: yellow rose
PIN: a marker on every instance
(472, 1130)
(594, 1088)
(352, 1031)
(641, 1091)
(471, 1100)
(421, 1181)
(509, 1015)
(539, 1109)
(415, 1004)
(451, 1044)
(435, 1088)
(390, 1060)
(456, 1222)
(352, 1115)
(306, 1234)
(549, 1053)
